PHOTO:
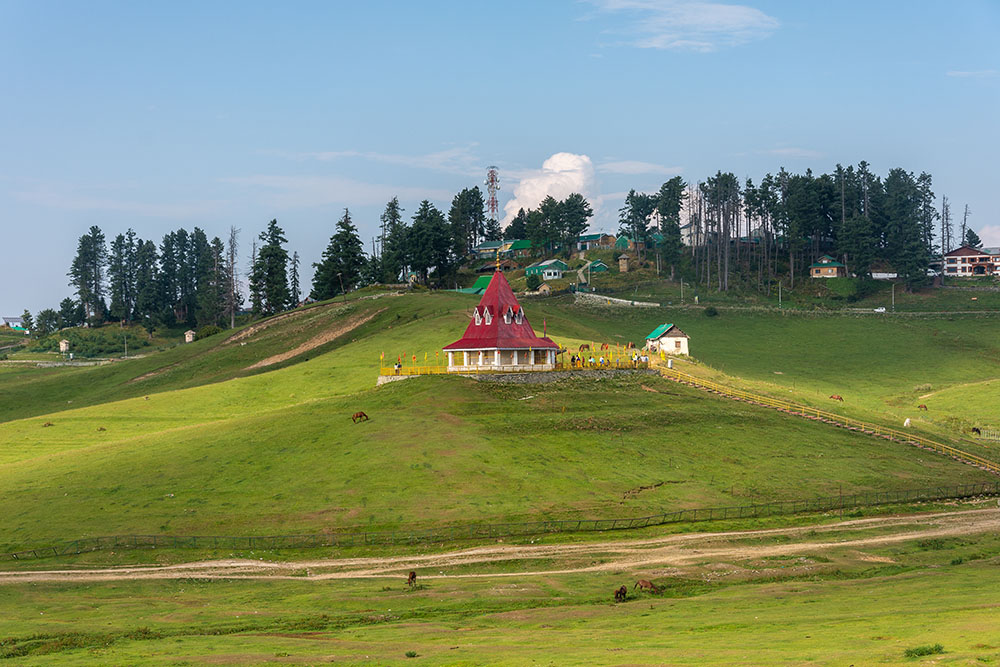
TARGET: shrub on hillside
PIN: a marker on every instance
(927, 649)
(711, 311)
(533, 282)
(207, 331)
(106, 341)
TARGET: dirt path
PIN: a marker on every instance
(320, 339)
(672, 551)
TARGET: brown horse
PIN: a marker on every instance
(585, 346)
(837, 397)
(630, 345)
(646, 586)
(922, 407)
(411, 580)
(604, 346)
(621, 594)
(359, 417)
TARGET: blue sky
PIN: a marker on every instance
(164, 115)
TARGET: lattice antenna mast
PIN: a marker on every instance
(492, 186)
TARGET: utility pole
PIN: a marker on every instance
(779, 294)
(125, 338)
(894, 297)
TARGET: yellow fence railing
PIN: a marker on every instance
(847, 422)
(487, 369)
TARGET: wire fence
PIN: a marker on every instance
(481, 531)
(835, 419)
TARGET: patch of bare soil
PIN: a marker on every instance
(317, 340)
(676, 553)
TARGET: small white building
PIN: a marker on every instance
(667, 338)
(189, 336)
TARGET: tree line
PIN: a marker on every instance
(760, 233)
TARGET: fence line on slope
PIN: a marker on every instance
(834, 419)
(476, 531)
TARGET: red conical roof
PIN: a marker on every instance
(491, 330)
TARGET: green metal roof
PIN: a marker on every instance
(590, 237)
(822, 264)
(522, 244)
(482, 282)
(659, 331)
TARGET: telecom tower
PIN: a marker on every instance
(492, 185)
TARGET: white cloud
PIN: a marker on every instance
(560, 176)
(690, 25)
(974, 74)
(308, 191)
(633, 167)
(794, 152)
(457, 160)
(990, 235)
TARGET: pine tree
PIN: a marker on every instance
(669, 201)
(343, 263)
(87, 273)
(492, 230)
(121, 276)
(972, 238)
(270, 270)
(46, 322)
(147, 289)
(294, 286)
(70, 313)
(429, 243)
(233, 297)
(394, 252)
(168, 280)
(574, 218)
(467, 217)
(518, 227)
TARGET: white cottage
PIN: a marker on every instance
(667, 338)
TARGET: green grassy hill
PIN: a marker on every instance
(224, 444)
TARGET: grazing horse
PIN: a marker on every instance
(646, 585)
(922, 407)
(359, 417)
(837, 397)
(630, 345)
(604, 346)
(621, 594)
(411, 579)
(585, 346)
(975, 429)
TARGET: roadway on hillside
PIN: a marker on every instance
(660, 556)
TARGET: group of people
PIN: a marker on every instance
(579, 361)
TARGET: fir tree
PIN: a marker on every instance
(343, 262)
(270, 270)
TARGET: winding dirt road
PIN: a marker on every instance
(668, 552)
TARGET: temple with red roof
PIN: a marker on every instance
(499, 337)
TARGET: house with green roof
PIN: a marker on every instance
(668, 339)
(827, 267)
(549, 269)
(520, 248)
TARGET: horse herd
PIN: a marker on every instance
(621, 593)
(838, 397)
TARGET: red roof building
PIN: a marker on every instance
(499, 337)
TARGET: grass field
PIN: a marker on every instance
(252, 435)
(829, 605)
